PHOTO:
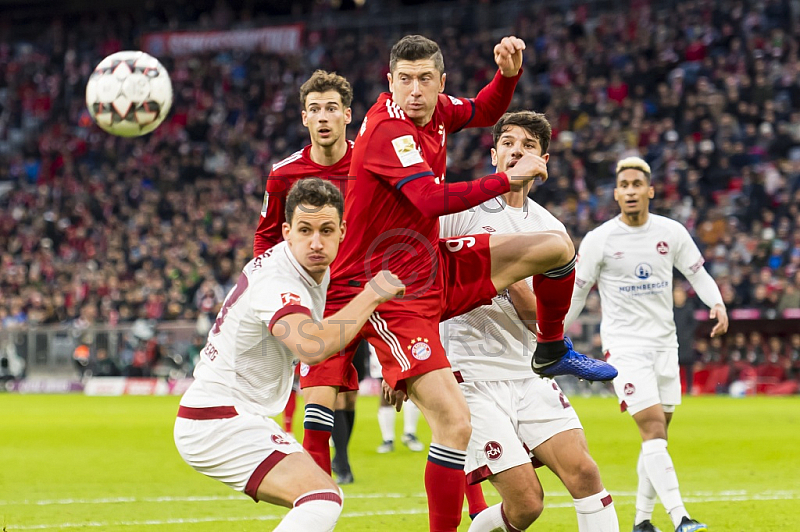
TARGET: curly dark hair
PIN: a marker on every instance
(534, 123)
(314, 192)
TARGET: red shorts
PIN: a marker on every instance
(337, 371)
(405, 332)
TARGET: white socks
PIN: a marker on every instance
(645, 495)
(491, 520)
(386, 417)
(410, 418)
(658, 465)
(316, 510)
(596, 513)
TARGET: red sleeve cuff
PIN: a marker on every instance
(285, 311)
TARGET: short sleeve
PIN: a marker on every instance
(393, 154)
(688, 259)
(590, 260)
(276, 296)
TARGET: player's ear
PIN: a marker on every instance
(444, 78)
(494, 157)
(651, 192)
(348, 115)
(546, 157)
(286, 229)
(389, 78)
(343, 228)
(305, 117)
(616, 195)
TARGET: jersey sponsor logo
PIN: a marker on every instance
(489, 229)
(363, 127)
(421, 350)
(618, 255)
(643, 270)
(279, 439)
(697, 265)
(455, 101)
(493, 450)
(406, 150)
(629, 389)
(662, 248)
(264, 204)
(304, 369)
(289, 298)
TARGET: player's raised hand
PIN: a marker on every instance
(528, 167)
(508, 55)
(386, 286)
(719, 313)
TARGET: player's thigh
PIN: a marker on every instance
(567, 455)
(346, 400)
(238, 451)
(494, 446)
(636, 385)
(439, 398)
(520, 256)
(293, 476)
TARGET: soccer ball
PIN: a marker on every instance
(129, 94)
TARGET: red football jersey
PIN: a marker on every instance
(285, 174)
(385, 228)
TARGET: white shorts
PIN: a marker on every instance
(509, 420)
(647, 377)
(238, 448)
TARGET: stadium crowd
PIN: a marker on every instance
(99, 229)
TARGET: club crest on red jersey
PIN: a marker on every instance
(493, 450)
(289, 298)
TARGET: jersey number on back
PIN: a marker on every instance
(230, 300)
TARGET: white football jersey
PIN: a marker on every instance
(242, 364)
(491, 342)
(633, 270)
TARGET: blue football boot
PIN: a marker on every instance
(573, 363)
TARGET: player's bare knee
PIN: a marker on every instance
(583, 480)
(566, 246)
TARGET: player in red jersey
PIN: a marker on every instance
(326, 99)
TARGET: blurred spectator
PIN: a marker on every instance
(103, 366)
(685, 325)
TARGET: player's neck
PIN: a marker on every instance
(636, 219)
(515, 198)
(328, 155)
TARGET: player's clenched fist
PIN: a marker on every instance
(528, 167)
(387, 285)
(508, 55)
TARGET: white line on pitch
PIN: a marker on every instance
(731, 496)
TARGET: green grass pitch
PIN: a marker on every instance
(92, 463)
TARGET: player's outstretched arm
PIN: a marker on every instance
(493, 100)
(312, 341)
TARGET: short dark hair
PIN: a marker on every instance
(534, 123)
(416, 48)
(322, 81)
(315, 192)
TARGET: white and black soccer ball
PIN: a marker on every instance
(129, 93)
